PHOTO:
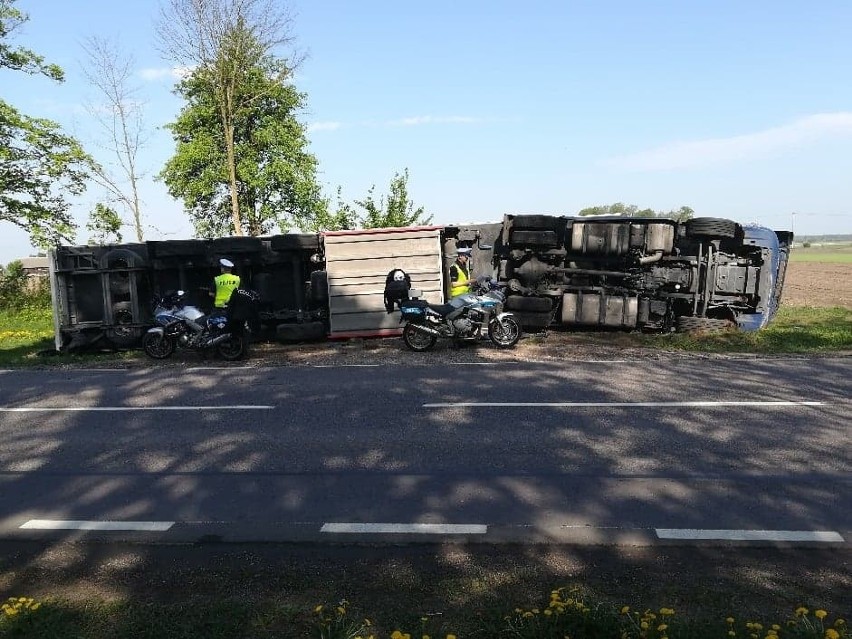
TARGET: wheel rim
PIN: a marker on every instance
(418, 339)
(231, 348)
(506, 331)
(158, 346)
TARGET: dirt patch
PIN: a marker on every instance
(816, 284)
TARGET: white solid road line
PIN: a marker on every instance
(423, 529)
(823, 536)
(43, 409)
(615, 404)
(69, 524)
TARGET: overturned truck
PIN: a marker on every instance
(641, 273)
(625, 273)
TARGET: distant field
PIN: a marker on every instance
(826, 253)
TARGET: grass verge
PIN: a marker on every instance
(796, 329)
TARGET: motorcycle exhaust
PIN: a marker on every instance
(217, 340)
(426, 329)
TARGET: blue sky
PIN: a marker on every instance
(737, 109)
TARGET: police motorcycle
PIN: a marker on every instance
(180, 324)
(465, 318)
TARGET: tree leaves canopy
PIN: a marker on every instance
(275, 174)
(39, 165)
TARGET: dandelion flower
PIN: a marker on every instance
(396, 634)
(820, 614)
(831, 633)
(625, 610)
(644, 625)
(662, 627)
(731, 633)
(548, 612)
(451, 637)
(318, 609)
(801, 610)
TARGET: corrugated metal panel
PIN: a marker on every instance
(357, 265)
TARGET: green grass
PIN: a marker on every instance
(796, 329)
(827, 253)
(565, 613)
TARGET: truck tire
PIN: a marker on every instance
(545, 239)
(295, 242)
(704, 325)
(122, 334)
(319, 288)
(536, 222)
(529, 304)
(533, 321)
(300, 332)
(714, 227)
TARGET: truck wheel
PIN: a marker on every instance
(122, 334)
(529, 304)
(715, 227)
(704, 325)
(536, 222)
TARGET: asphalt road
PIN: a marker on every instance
(641, 452)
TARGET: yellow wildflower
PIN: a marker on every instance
(396, 634)
(666, 611)
(426, 637)
(535, 611)
(730, 620)
(625, 610)
(820, 614)
(644, 625)
(527, 615)
(776, 627)
(731, 633)
(662, 627)
(548, 612)
(341, 610)
(35, 606)
(451, 637)
(839, 622)
(318, 609)
(831, 633)
(801, 610)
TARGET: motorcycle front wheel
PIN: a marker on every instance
(157, 345)
(232, 349)
(504, 333)
(417, 341)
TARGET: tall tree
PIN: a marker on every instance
(224, 41)
(119, 114)
(397, 210)
(39, 165)
(274, 175)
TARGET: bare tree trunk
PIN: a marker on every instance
(110, 72)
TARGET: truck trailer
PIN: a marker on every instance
(652, 274)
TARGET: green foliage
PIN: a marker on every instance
(18, 292)
(397, 210)
(631, 210)
(275, 174)
(20, 59)
(39, 165)
(343, 218)
(105, 224)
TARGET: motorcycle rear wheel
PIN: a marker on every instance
(232, 349)
(505, 333)
(158, 346)
(416, 340)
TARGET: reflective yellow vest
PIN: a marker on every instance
(461, 285)
(225, 285)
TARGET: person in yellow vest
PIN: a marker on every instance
(226, 282)
(460, 273)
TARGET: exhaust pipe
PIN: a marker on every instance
(426, 329)
(215, 341)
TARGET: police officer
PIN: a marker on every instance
(226, 282)
(460, 273)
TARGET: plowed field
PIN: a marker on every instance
(818, 284)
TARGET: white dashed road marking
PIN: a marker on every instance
(43, 409)
(688, 534)
(707, 404)
(71, 524)
(426, 529)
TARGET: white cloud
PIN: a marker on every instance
(700, 153)
(431, 119)
(153, 74)
(324, 126)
